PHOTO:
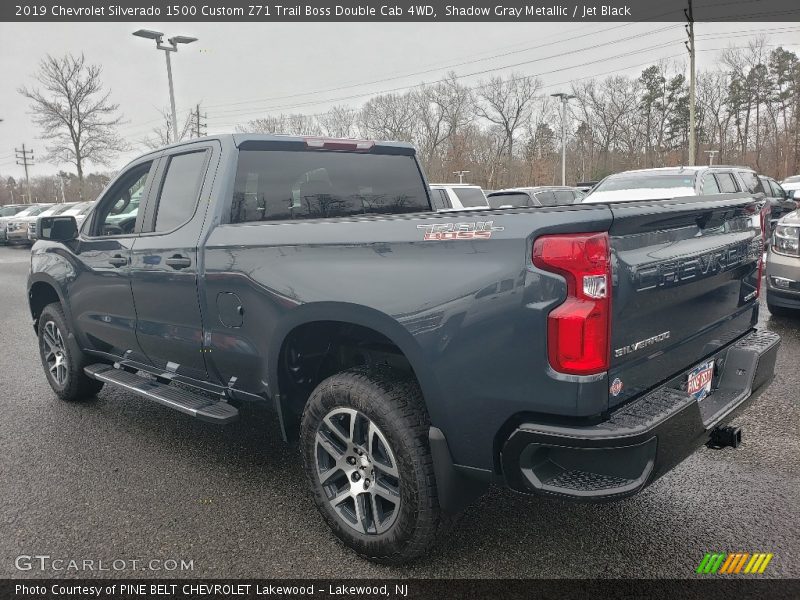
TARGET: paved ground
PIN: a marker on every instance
(121, 478)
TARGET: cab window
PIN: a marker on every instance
(119, 209)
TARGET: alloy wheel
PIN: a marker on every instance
(358, 471)
(55, 355)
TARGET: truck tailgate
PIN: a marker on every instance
(685, 277)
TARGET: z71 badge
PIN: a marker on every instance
(480, 230)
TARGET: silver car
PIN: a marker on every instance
(783, 267)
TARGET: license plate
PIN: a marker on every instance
(698, 382)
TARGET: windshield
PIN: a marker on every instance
(32, 211)
(55, 210)
(471, 196)
(650, 181)
(78, 209)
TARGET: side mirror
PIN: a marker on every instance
(57, 229)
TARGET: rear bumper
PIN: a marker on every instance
(642, 440)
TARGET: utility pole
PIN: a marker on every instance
(198, 127)
(564, 99)
(26, 156)
(690, 47)
(460, 175)
(711, 155)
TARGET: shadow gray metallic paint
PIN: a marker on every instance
(470, 316)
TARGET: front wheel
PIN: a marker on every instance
(364, 439)
(62, 359)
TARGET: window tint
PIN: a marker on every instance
(439, 199)
(564, 197)
(118, 210)
(726, 183)
(178, 197)
(471, 196)
(283, 184)
(546, 198)
(710, 184)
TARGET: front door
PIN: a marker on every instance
(100, 295)
(164, 262)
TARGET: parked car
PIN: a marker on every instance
(417, 356)
(783, 267)
(75, 209)
(673, 182)
(6, 213)
(780, 202)
(543, 195)
(17, 226)
(457, 196)
(792, 185)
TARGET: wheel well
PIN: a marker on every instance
(40, 295)
(313, 351)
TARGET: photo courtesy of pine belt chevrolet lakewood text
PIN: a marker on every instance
(415, 357)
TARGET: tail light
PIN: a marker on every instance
(578, 330)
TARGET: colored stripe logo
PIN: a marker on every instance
(734, 563)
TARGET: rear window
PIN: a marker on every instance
(470, 196)
(645, 181)
(546, 198)
(564, 197)
(515, 199)
(276, 185)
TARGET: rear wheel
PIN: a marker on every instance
(364, 439)
(62, 359)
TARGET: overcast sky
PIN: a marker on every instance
(241, 71)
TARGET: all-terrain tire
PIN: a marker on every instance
(392, 402)
(62, 359)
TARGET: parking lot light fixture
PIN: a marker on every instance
(170, 46)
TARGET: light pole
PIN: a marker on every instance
(711, 155)
(172, 47)
(460, 175)
(564, 99)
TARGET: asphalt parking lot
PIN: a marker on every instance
(122, 478)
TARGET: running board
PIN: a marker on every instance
(195, 405)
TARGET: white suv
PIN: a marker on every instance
(457, 196)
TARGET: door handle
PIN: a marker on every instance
(118, 261)
(178, 262)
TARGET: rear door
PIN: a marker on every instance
(685, 284)
(164, 261)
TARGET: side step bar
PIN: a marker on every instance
(195, 405)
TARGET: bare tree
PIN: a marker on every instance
(507, 104)
(74, 112)
(339, 122)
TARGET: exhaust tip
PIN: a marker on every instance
(724, 437)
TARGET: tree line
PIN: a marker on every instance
(506, 131)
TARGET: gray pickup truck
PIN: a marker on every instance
(576, 351)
